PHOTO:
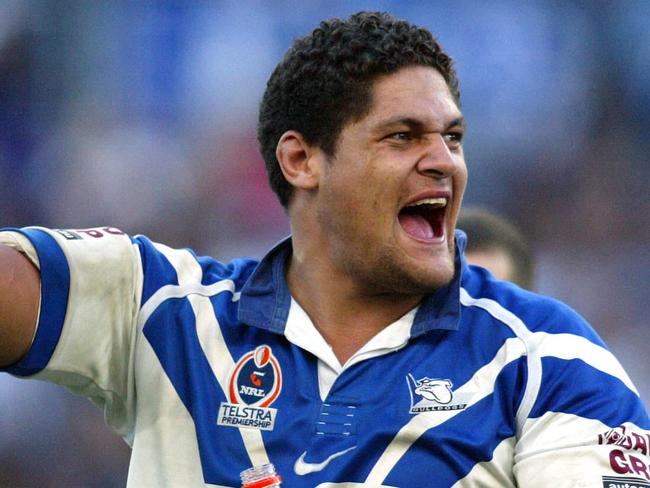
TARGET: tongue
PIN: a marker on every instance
(416, 226)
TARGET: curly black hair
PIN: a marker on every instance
(325, 81)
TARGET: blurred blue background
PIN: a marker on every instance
(141, 115)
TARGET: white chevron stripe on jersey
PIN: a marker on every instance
(174, 436)
(222, 363)
(543, 344)
(533, 361)
(497, 311)
(185, 264)
(477, 387)
(208, 330)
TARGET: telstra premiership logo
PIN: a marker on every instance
(255, 383)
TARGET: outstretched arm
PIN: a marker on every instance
(19, 301)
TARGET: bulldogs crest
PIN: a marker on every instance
(431, 394)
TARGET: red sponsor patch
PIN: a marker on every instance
(631, 453)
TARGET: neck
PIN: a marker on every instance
(346, 314)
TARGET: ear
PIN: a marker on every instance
(298, 160)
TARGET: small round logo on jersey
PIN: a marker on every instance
(256, 379)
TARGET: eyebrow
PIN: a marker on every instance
(457, 122)
(416, 124)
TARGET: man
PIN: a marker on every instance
(498, 245)
(362, 351)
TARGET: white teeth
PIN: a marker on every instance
(438, 202)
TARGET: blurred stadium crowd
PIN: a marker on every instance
(141, 115)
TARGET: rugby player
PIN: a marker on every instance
(360, 351)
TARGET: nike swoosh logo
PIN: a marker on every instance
(302, 468)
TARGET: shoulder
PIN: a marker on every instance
(163, 265)
(569, 367)
(107, 256)
(523, 310)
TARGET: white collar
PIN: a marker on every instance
(302, 332)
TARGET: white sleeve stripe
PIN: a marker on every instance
(168, 292)
(533, 360)
(485, 377)
(570, 346)
(208, 330)
(542, 344)
(189, 273)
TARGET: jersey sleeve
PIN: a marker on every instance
(586, 425)
(91, 288)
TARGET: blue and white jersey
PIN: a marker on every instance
(207, 369)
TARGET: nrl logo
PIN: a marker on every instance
(432, 394)
(254, 385)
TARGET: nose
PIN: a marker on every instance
(437, 159)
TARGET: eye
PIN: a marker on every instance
(454, 139)
(400, 136)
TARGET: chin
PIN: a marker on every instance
(438, 279)
(394, 270)
(436, 269)
(419, 280)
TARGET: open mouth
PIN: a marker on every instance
(424, 219)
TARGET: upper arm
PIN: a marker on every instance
(587, 424)
(19, 302)
(85, 301)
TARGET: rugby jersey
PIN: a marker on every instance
(207, 369)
